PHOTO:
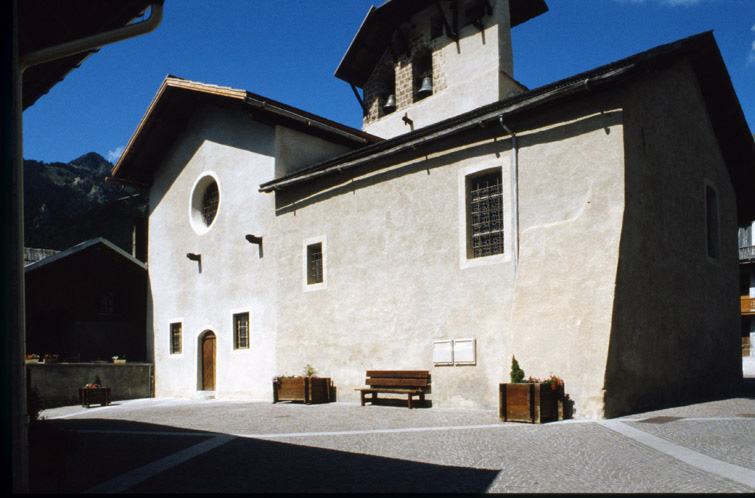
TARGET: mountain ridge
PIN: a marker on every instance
(69, 203)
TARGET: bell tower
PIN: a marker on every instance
(422, 61)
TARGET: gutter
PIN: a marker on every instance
(95, 41)
(431, 133)
(267, 106)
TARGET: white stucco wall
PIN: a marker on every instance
(397, 279)
(233, 278)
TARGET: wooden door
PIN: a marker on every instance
(208, 362)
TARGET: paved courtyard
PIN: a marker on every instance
(184, 446)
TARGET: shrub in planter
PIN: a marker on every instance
(533, 400)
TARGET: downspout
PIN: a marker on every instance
(514, 197)
(95, 41)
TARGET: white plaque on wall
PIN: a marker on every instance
(443, 353)
(464, 352)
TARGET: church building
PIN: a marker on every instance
(587, 227)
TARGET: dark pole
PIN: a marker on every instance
(11, 251)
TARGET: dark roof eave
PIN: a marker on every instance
(479, 117)
(379, 24)
(739, 151)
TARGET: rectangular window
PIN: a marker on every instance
(175, 338)
(241, 331)
(711, 220)
(314, 264)
(106, 303)
(485, 215)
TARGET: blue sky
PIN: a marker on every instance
(288, 51)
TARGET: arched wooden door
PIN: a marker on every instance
(208, 361)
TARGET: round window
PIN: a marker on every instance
(210, 203)
(205, 201)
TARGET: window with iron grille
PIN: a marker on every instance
(485, 215)
(241, 331)
(175, 338)
(314, 263)
(210, 201)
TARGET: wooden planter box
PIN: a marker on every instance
(305, 389)
(532, 403)
(94, 396)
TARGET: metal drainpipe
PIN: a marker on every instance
(95, 41)
(515, 199)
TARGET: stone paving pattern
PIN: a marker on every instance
(344, 447)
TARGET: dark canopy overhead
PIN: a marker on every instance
(377, 29)
(45, 23)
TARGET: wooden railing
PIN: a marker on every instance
(748, 305)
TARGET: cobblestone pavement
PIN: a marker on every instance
(174, 445)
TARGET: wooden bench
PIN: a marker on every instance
(409, 382)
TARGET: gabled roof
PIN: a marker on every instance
(42, 24)
(376, 32)
(83, 246)
(729, 124)
(176, 101)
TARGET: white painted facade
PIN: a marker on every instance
(593, 187)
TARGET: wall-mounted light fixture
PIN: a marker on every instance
(253, 239)
(195, 257)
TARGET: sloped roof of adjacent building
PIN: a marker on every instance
(174, 104)
(729, 124)
(376, 32)
(91, 244)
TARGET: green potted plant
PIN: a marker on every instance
(531, 400)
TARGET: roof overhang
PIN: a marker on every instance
(176, 101)
(376, 32)
(43, 24)
(105, 244)
(729, 124)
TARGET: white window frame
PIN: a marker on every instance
(321, 239)
(171, 354)
(234, 349)
(464, 173)
(196, 196)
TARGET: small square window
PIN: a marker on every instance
(241, 331)
(175, 338)
(314, 264)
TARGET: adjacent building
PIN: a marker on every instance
(87, 303)
(587, 227)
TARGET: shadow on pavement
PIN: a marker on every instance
(242, 465)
